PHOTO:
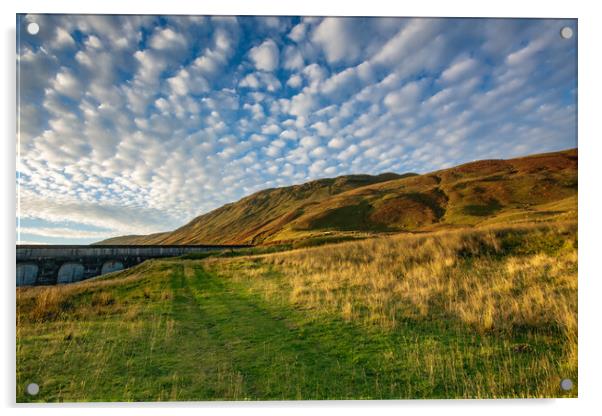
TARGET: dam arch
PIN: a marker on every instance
(51, 264)
(27, 274)
(111, 266)
(70, 272)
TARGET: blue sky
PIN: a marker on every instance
(137, 124)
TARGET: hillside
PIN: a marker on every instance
(533, 188)
(251, 217)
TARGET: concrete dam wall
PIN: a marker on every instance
(49, 265)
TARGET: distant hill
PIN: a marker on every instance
(533, 188)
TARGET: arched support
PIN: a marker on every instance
(70, 272)
(27, 274)
(111, 266)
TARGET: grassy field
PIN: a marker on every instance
(470, 313)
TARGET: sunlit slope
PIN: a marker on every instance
(257, 216)
(532, 188)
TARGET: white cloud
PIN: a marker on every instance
(162, 104)
(317, 168)
(249, 81)
(520, 56)
(57, 232)
(67, 84)
(289, 134)
(273, 151)
(260, 80)
(289, 170)
(302, 104)
(295, 81)
(348, 153)
(322, 128)
(271, 129)
(257, 138)
(279, 143)
(331, 170)
(319, 152)
(62, 39)
(184, 83)
(336, 143)
(416, 34)
(150, 67)
(93, 42)
(297, 33)
(118, 219)
(167, 39)
(293, 58)
(459, 70)
(309, 142)
(340, 83)
(265, 56)
(336, 36)
(256, 109)
(315, 73)
(405, 98)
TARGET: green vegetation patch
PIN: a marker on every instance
(346, 218)
(322, 240)
(247, 251)
(482, 210)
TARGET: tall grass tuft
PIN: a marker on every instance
(50, 303)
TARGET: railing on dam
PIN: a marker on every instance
(39, 251)
(43, 265)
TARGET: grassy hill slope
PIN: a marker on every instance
(253, 218)
(533, 188)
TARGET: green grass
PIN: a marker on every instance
(235, 329)
(491, 207)
(322, 240)
(274, 248)
(247, 251)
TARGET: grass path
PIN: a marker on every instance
(274, 358)
(279, 352)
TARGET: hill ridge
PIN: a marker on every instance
(474, 193)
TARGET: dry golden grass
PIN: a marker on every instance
(88, 297)
(514, 284)
(49, 303)
(465, 275)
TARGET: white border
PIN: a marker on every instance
(590, 274)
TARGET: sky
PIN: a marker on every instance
(138, 124)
